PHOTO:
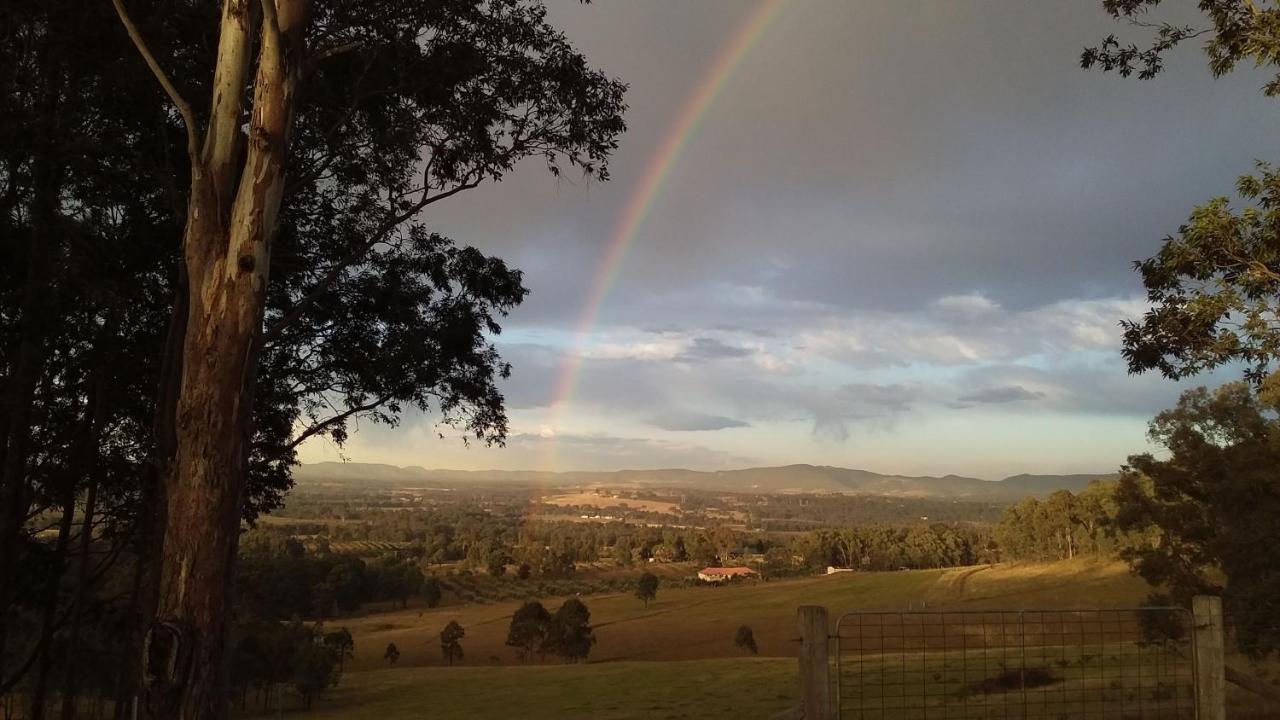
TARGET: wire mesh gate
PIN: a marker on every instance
(1132, 664)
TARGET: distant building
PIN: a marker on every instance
(720, 574)
(832, 570)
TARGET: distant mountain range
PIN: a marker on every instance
(785, 479)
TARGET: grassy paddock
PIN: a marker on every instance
(699, 622)
(702, 689)
(1122, 680)
(689, 631)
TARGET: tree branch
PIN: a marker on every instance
(320, 426)
(184, 108)
(320, 56)
(273, 333)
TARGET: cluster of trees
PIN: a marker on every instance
(280, 579)
(266, 656)
(1063, 526)
(791, 512)
(566, 634)
(215, 249)
(883, 547)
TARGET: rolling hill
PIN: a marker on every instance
(784, 479)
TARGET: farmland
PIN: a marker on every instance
(704, 618)
(591, 499)
(673, 658)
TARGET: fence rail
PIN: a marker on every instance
(1121, 664)
(974, 665)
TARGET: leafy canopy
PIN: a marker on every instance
(1208, 511)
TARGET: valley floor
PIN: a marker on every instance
(698, 672)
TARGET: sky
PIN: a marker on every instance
(899, 238)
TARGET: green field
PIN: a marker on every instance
(725, 688)
(697, 623)
(674, 658)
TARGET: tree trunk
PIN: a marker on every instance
(71, 684)
(231, 218)
(50, 601)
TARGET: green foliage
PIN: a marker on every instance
(1208, 511)
(450, 647)
(369, 314)
(281, 579)
(497, 564)
(1214, 286)
(341, 644)
(1237, 30)
(315, 668)
(1062, 526)
(885, 547)
(1215, 289)
(647, 587)
(271, 654)
(530, 627)
(745, 640)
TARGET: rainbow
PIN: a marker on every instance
(638, 207)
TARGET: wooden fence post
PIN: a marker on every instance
(815, 681)
(1211, 683)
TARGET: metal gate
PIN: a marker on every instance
(1131, 664)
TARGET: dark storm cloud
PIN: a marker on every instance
(694, 422)
(707, 348)
(836, 412)
(845, 166)
(1003, 394)
(892, 209)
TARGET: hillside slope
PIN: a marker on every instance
(784, 479)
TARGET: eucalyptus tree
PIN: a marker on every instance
(261, 272)
(1214, 290)
(1214, 286)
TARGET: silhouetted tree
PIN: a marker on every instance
(1208, 510)
(341, 644)
(326, 81)
(450, 647)
(570, 635)
(647, 587)
(530, 626)
(313, 670)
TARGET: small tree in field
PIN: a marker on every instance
(391, 655)
(746, 640)
(341, 644)
(570, 635)
(647, 587)
(313, 670)
(529, 628)
(449, 645)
